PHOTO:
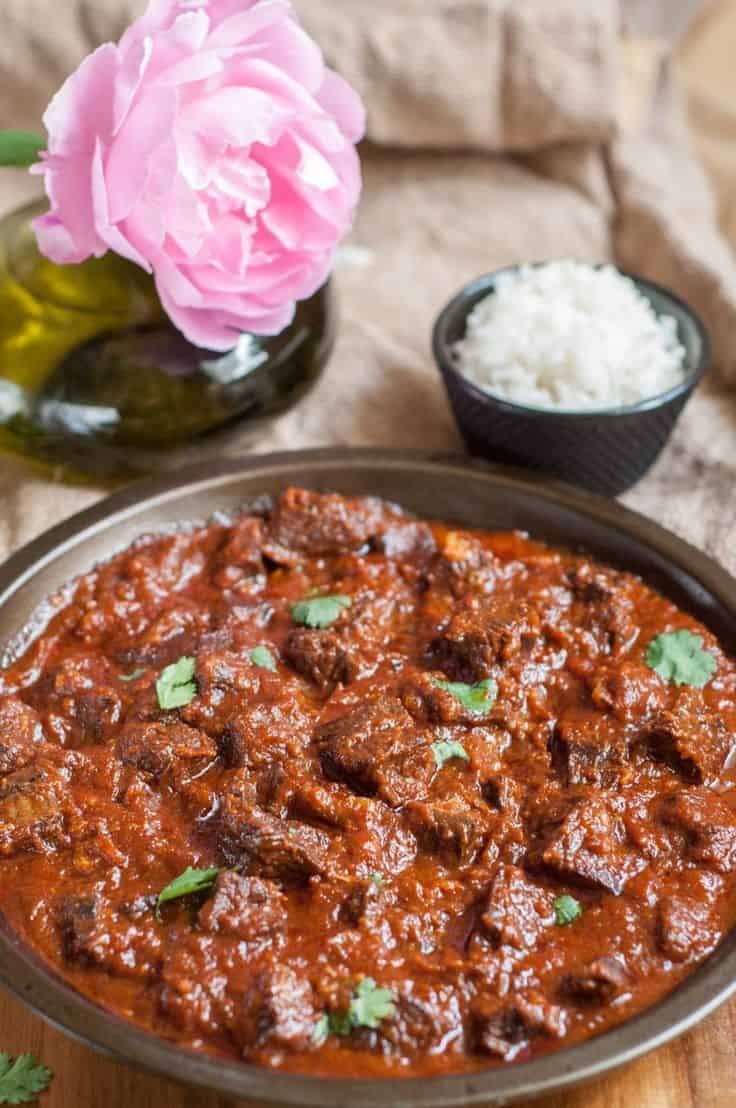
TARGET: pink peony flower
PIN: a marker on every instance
(213, 147)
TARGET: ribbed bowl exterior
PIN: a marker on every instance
(604, 451)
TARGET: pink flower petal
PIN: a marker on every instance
(238, 28)
(147, 127)
(109, 233)
(83, 107)
(342, 102)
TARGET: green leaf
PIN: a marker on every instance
(377, 879)
(321, 1030)
(175, 687)
(262, 657)
(678, 656)
(319, 611)
(20, 148)
(444, 751)
(131, 676)
(188, 882)
(567, 909)
(22, 1079)
(368, 1006)
(476, 699)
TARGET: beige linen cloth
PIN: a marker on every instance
(500, 131)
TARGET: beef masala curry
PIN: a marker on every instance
(333, 790)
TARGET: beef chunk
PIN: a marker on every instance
(322, 803)
(428, 702)
(479, 636)
(631, 691)
(424, 1017)
(156, 748)
(586, 749)
(685, 928)
(691, 738)
(378, 750)
(90, 706)
(590, 847)
(707, 824)
(93, 935)
(278, 1010)
(314, 525)
(592, 585)
(504, 794)
(406, 540)
(516, 911)
(262, 732)
(245, 907)
(271, 847)
(363, 902)
(599, 981)
(20, 733)
(320, 657)
(240, 555)
(463, 565)
(450, 829)
(78, 923)
(504, 1031)
(33, 810)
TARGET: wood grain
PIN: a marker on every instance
(696, 1071)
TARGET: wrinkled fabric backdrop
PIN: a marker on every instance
(499, 131)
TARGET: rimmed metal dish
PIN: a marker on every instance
(456, 490)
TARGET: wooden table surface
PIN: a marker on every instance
(696, 1071)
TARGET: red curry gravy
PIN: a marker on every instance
(459, 823)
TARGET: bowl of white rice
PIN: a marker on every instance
(577, 370)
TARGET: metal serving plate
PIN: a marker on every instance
(454, 490)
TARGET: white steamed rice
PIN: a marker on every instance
(569, 336)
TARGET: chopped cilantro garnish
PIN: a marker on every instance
(377, 879)
(188, 882)
(175, 687)
(567, 909)
(476, 699)
(321, 1030)
(444, 751)
(262, 657)
(22, 1078)
(678, 656)
(131, 676)
(369, 1005)
(319, 611)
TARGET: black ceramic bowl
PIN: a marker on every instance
(606, 450)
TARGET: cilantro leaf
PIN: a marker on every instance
(319, 611)
(679, 656)
(476, 699)
(131, 676)
(188, 882)
(369, 1005)
(567, 909)
(444, 751)
(22, 1078)
(176, 687)
(377, 879)
(321, 1030)
(262, 657)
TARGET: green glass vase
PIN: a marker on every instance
(96, 383)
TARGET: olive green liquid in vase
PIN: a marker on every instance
(96, 384)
